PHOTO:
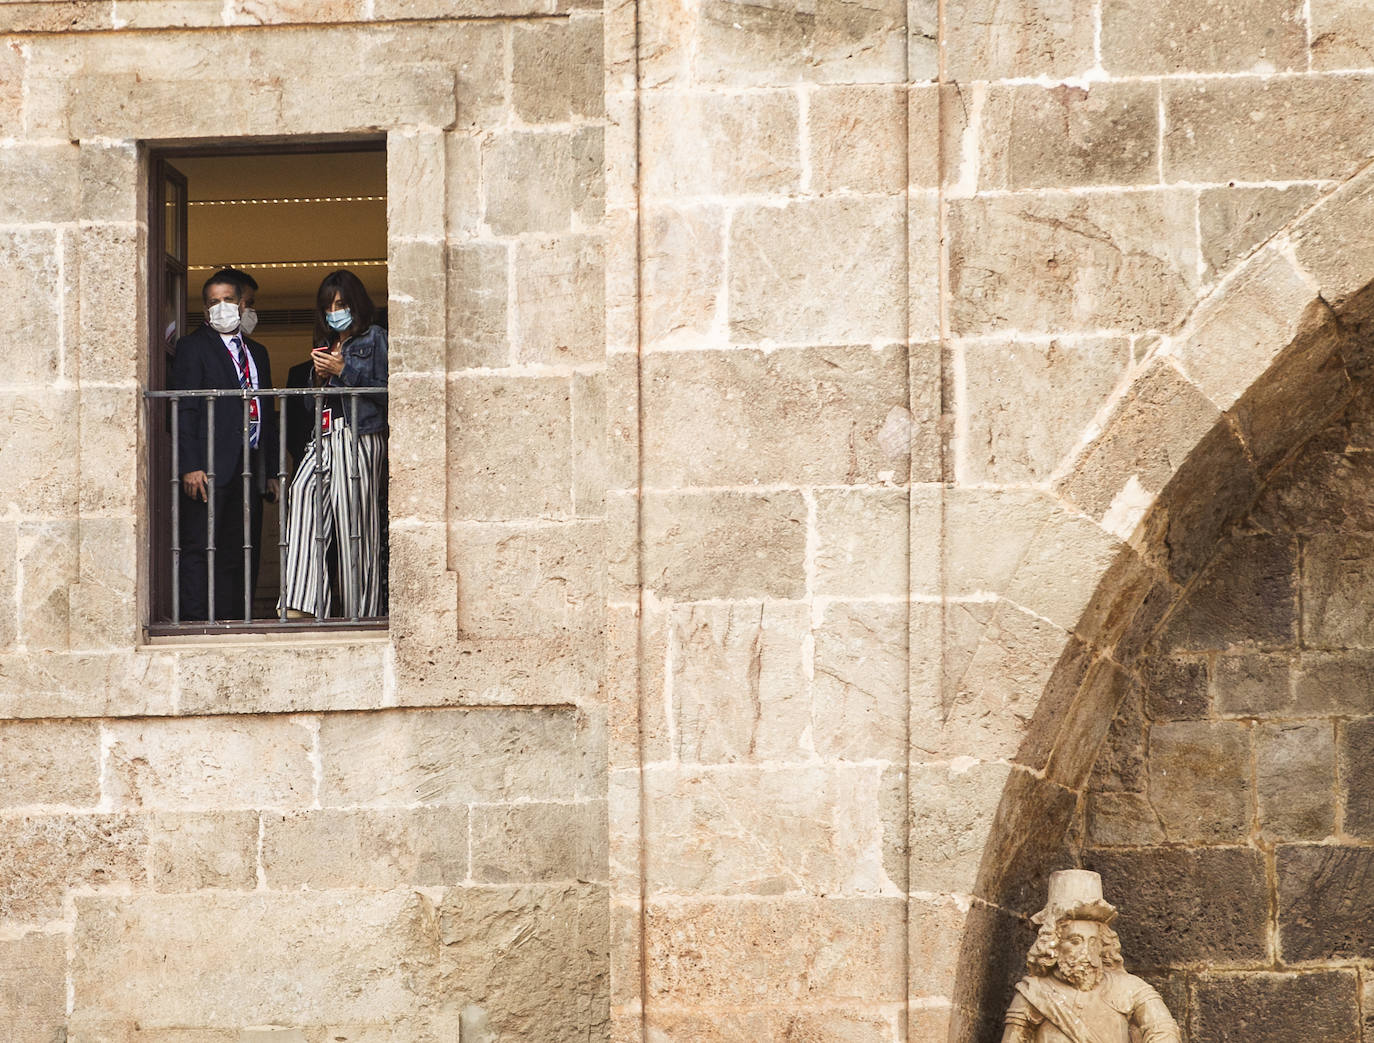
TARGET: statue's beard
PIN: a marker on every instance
(1082, 973)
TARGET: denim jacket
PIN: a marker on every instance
(364, 365)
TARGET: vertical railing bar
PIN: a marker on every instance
(210, 509)
(282, 514)
(176, 510)
(247, 511)
(322, 579)
(355, 536)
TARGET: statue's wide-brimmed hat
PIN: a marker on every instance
(1075, 894)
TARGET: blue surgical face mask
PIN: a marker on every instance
(339, 320)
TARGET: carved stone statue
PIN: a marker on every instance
(1076, 989)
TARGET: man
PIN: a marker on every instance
(220, 356)
(1078, 990)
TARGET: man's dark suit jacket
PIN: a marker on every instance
(203, 362)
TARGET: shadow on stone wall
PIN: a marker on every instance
(1266, 531)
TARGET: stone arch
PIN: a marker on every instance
(1213, 410)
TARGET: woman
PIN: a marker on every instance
(335, 499)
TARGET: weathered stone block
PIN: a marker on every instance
(1255, 685)
(950, 558)
(1175, 689)
(1334, 684)
(50, 762)
(1063, 567)
(738, 682)
(1323, 906)
(478, 295)
(46, 856)
(987, 40)
(720, 144)
(1120, 763)
(1339, 34)
(37, 434)
(1187, 906)
(1057, 262)
(683, 253)
(1200, 780)
(724, 545)
(1029, 404)
(344, 675)
(1122, 820)
(353, 957)
(1287, 406)
(1239, 334)
(952, 811)
(29, 281)
(528, 843)
(796, 416)
(997, 663)
(189, 851)
(732, 953)
(378, 849)
(1210, 128)
(551, 983)
(859, 692)
(774, 831)
(212, 763)
(560, 300)
(543, 181)
(1259, 36)
(1246, 598)
(1296, 774)
(590, 419)
(858, 136)
(511, 440)
(722, 42)
(1257, 1006)
(528, 580)
(794, 270)
(1233, 221)
(39, 184)
(1337, 583)
(1356, 749)
(557, 70)
(1037, 137)
(450, 757)
(85, 684)
(46, 556)
(835, 1026)
(33, 987)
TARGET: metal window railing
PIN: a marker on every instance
(353, 539)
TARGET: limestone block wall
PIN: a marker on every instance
(1105, 235)
(1231, 802)
(803, 416)
(370, 837)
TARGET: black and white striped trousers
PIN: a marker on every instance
(335, 498)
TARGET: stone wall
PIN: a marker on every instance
(365, 837)
(803, 414)
(1230, 807)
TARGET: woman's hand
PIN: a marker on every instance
(327, 363)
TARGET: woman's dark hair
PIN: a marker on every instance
(354, 296)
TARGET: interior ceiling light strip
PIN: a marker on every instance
(374, 262)
(287, 199)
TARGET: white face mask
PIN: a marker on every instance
(224, 317)
(249, 322)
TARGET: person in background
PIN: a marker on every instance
(219, 355)
(337, 491)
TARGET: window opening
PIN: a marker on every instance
(253, 406)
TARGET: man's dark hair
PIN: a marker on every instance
(242, 278)
(354, 295)
(225, 276)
